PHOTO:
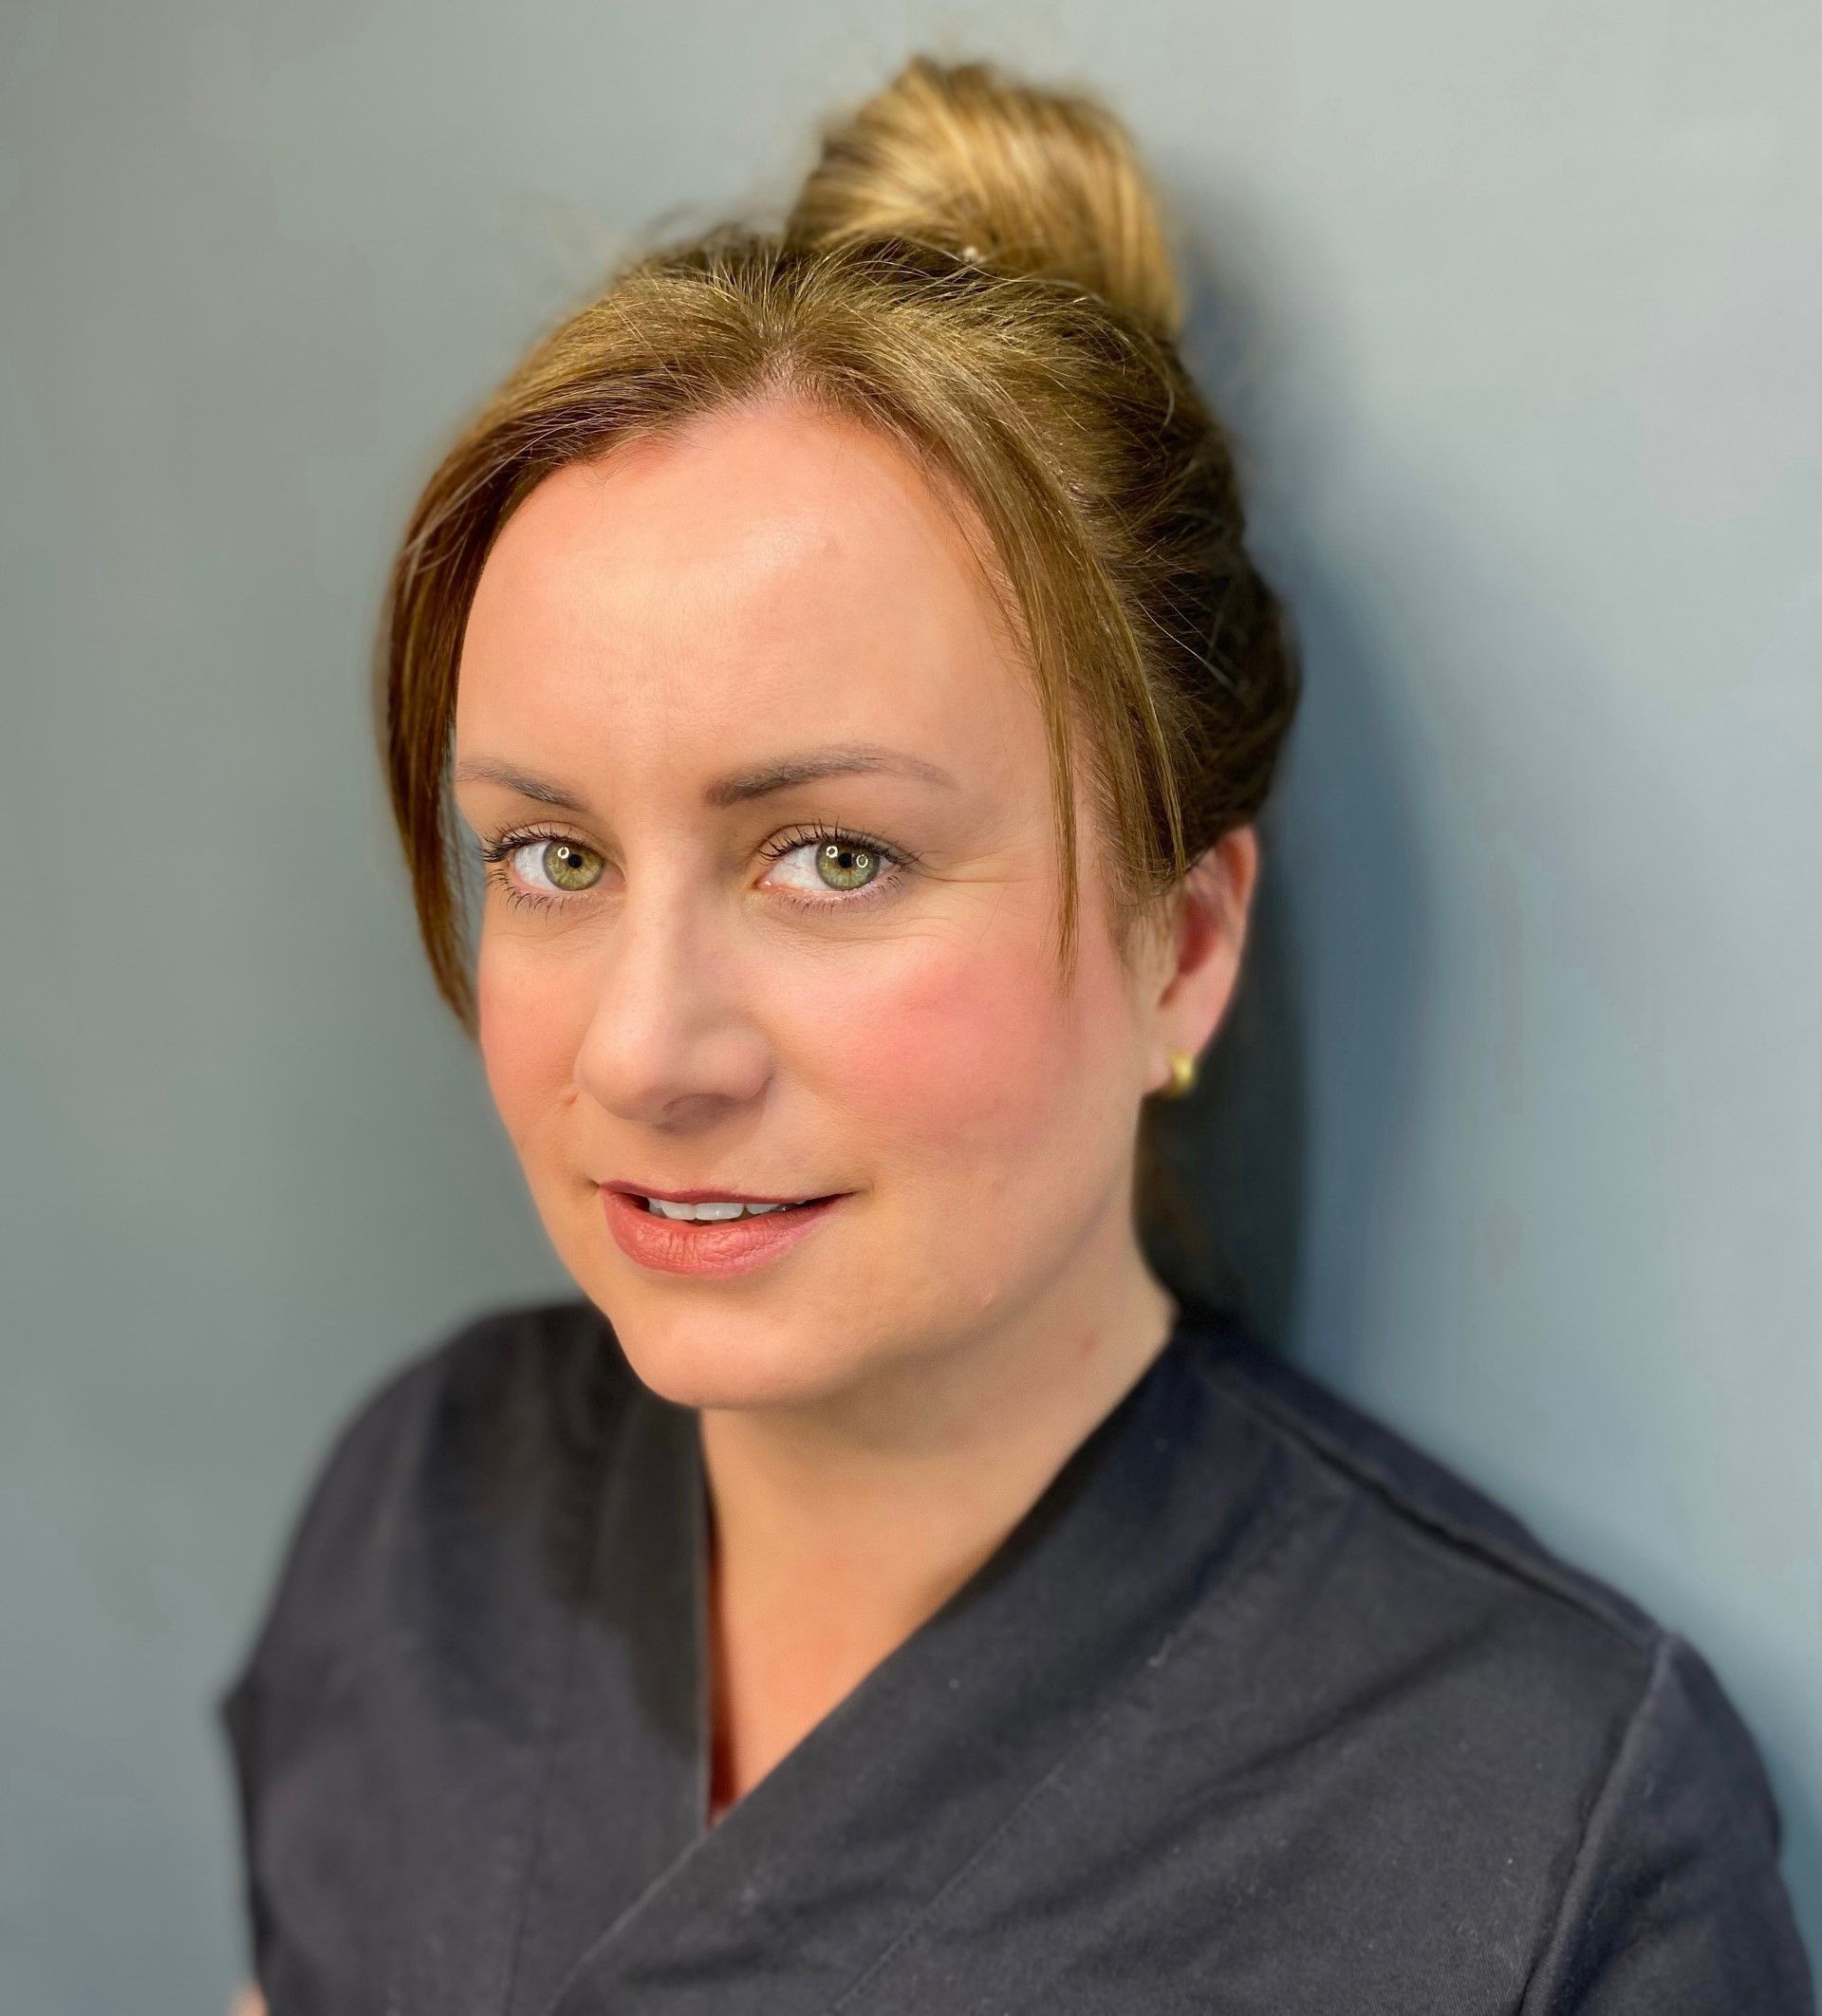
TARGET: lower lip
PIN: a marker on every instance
(729, 1246)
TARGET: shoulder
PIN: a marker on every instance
(482, 1424)
(1402, 1499)
(1537, 1727)
(447, 1497)
(480, 1411)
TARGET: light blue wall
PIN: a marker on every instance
(1516, 307)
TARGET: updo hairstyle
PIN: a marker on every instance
(977, 267)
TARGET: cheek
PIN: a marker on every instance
(967, 1060)
(529, 1027)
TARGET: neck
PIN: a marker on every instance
(838, 1530)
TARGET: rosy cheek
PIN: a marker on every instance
(956, 1052)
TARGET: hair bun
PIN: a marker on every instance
(1020, 177)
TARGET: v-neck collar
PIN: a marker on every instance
(635, 1900)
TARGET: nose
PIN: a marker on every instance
(668, 1035)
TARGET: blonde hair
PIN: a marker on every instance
(978, 268)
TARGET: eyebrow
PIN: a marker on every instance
(840, 759)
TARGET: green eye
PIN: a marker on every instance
(845, 868)
(566, 865)
(848, 869)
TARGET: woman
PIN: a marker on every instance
(877, 1591)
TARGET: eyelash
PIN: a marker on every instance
(498, 853)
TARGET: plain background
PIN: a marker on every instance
(1515, 1135)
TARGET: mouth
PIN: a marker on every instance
(720, 1244)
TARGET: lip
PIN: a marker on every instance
(734, 1245)
(641, 1189)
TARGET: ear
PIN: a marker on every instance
(1200, 958)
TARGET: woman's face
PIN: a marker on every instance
(682, 989)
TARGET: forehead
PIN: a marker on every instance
(766, 574)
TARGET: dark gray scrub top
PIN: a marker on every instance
(1259, 1709)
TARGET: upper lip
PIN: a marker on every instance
(641, 1189)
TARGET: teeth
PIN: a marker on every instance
(716, 1209)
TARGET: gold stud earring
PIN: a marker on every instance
(1182, 1074)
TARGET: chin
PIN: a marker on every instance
(729, 1359)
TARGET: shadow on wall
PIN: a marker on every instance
(1238, 1148)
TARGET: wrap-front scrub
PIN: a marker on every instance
(1258, 1711)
